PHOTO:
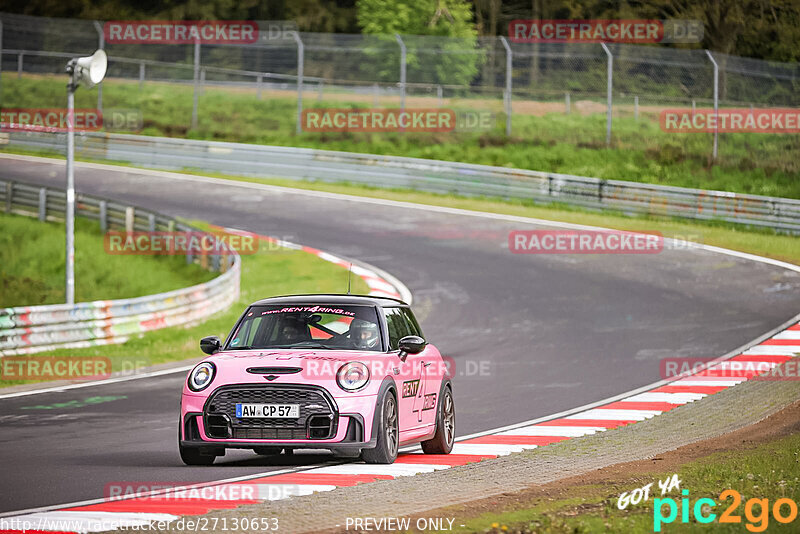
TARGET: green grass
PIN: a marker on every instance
(32, 259)
(270, 272)
(769, 471)
(765, 164)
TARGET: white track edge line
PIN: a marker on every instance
(49, 508)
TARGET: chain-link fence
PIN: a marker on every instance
(512, 80)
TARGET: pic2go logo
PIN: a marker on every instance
(756, 511)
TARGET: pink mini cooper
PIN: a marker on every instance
(348, 373)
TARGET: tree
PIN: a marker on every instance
(429, 60)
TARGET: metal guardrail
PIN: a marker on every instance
(781, 214)
(27, 329)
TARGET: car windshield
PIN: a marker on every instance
(308, 326)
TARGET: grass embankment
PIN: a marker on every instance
(769, 471)
(272, 271)
(762, 242)
(32, 259)
(764, 164)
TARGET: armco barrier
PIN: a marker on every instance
(425, 175)
(29, 329)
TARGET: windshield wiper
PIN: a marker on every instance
(308, 345)
(300, 345)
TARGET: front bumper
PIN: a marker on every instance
(324, 422)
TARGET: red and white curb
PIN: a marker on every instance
(152, 507)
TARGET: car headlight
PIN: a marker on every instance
(201, 376)
(352, 376)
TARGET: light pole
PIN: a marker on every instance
(87, 71)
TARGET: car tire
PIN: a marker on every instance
(267, 451)
(442, 440)
(385, 451)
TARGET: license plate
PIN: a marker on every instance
(280, 411)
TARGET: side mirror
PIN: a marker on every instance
(210, 344)
(411, 345)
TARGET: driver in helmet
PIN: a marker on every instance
(293, 331)
(363, 334)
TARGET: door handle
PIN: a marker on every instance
(428, 364)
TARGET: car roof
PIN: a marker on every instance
(332, 298)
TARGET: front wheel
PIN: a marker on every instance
(193, 455)
(442, 440)
(385, 452)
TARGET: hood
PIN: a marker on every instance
(291, 358)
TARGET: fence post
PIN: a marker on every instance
(509, 65)
(716, 106)
(103, 216)
(636, 108)
(130, 219)
(610, 79)
(320, 89)
(151, 222)
(202, 81)
(141, 75)
(1, 60)
(9, 195)
(300, 67)
(439, 96)
(403, 58)
(19, 64)
(259, 79)
(196, 81)
(374, 95)
(101, 44)
(43, 204)
(567, 104)
(189, 255)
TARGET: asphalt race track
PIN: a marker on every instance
(531, 334)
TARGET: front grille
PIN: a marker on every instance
(274, 370)
(316, 407)
(268, 433)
